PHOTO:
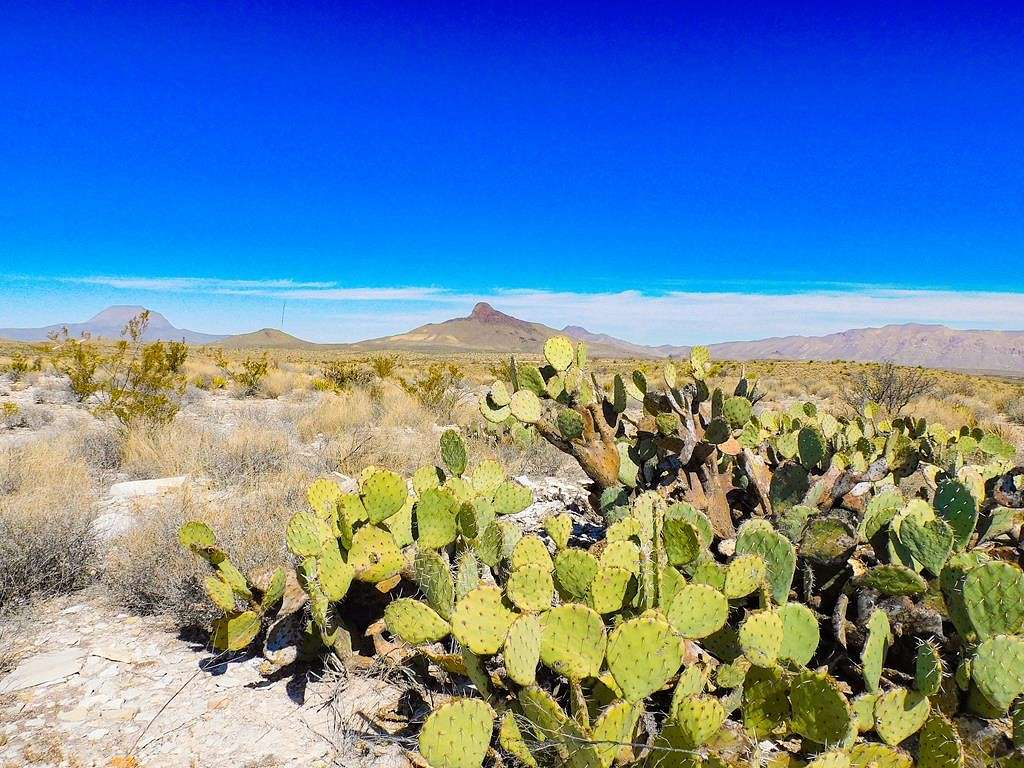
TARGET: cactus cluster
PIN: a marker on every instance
(848, 588)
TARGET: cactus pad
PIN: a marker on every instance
(575, 570)
(573, 641)
(761, 637)
(993, 595)
(643, 655)
(559, 528)
(522, 649)
(531, 550)
(698, 719)
(955, 504)
(758, 537)
(511, 497)
(899, 714)
(559, 352)
(998, 669)
(374, 555)
(480, 620)
(614, 727)
(682, 541)
(384, 493)
(800, 633)
(307, 534)
(744, 574)
(453, 452)
(220, 592)
(765, 701)
(698, 611)
(893, 579)
(929, 542)
(415, 622)
(607, 590)
(939, 745)
(434, 578)
(427, 477)
(872, 755)
(820, 711)
(457, 734)
(435, 513)
(525, 406)
(530, 588)
(235, 631)
(622, 554)
(196, 536)
(928, 669)
(737, 411)
(875, 647)
(487, 476)
(334, 574)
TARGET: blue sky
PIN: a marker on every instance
(663, 171)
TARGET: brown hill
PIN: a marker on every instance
(267, 337)
(932, 346)
(486, 329)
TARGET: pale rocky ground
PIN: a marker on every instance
(84, 684)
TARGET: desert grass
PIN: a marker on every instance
(47, 545)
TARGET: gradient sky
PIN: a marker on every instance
(667, 171)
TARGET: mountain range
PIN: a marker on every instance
(486, 329)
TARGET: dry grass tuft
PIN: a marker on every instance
(47, 545)
(333, 414)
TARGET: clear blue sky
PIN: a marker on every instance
(466, 152)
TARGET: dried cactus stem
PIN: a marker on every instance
(595, 451)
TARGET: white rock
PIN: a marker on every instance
(135, 488)
(43, 669)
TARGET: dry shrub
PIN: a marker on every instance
(1014, 410)
(334, 414)
(249, 453)
(148, 571)
(280, 381)
(167, 450)
(397, 408)
(47, 545)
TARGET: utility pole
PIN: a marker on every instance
(283, 303)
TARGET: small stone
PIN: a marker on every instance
(76, 715)
(44, 669)
(97, 733)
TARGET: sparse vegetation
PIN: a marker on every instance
(888, 385)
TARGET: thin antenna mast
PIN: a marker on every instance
(283, 303)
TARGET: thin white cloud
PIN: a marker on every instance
(329, 311)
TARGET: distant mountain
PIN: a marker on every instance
(109, 323)
(486, 329)
(266, 337)
(932, 346)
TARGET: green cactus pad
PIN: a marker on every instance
(531, 550)
(273, 590)
(758, 537)
(559, 528)
(400, 524)
(893, 579)
(307, 534)
(744, 575)
(511, 497)
(521, 653)
(788, 487)
(732, 674)
(575, 570)
(435, 513)
(643, 655)
(810, 446)
(494, 415)
(800, 633)
(737, 411)
(334, 574)
(622, 530)
(670, 584)
(828, 540)
(880, 511)
(322, 495)
(480, 620)
(939, 745)
(457, 734)
(196, 536)
(608, 589)
(427, 477)
(833, 759)
(864, 711)
(573, 641)
(928, 669)
(220, 592)
(530, 588)
(685, 511)
(698, 719)
(374, 555)
(467, 574)
(614, 727)
(235, 631)
(622, 554)
(820, 711)
(872, 755)
(510, 737)
(499, 394)
(487, 476)
(761, 637)
(453, 452)
(765, 701)
(998, 669)
(525, 406)
(899, 714)
(384, 493)
(570, 424)
(993, 595)
(559, 352)
(415, 622)
(929, 542)
(698, 610)
(434, 577)
(875, 647)
(955, 503)
(682, 541)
